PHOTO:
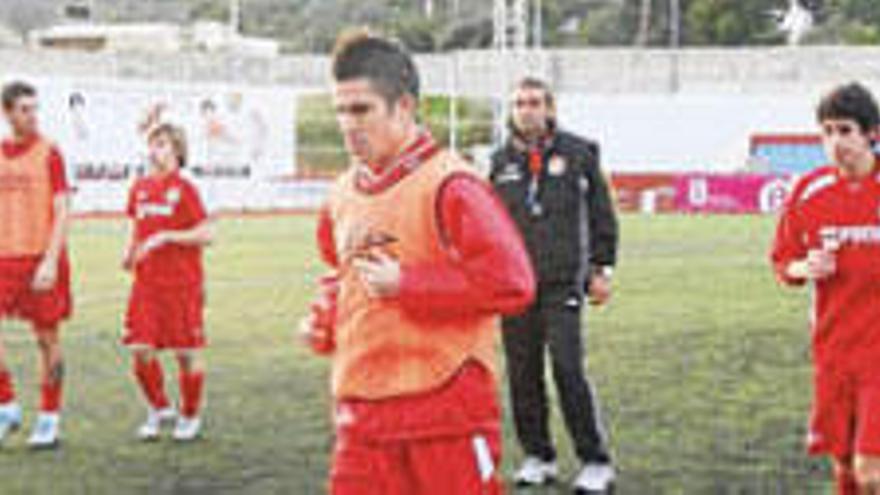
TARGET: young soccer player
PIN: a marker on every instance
(426, 259)
(34, 268)
(829, 236)
(169, 230)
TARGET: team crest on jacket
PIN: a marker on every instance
(557, 166)
(510, 173)
(173, 196)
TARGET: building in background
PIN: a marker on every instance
(204, 36)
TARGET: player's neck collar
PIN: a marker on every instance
(417, 152)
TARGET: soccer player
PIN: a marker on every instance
(169, 230)
(829, 236)
(34, 268)
(426, 258)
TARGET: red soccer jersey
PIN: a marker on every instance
(166, 203)
(827, 209)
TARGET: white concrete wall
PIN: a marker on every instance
(687, 131)
(597, 71)
(691, 109)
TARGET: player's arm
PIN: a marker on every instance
(317, 329)
(603, 228)
(487, 268)
(325, 239)
(789, 254)
(202, 234)
(47, 271)
(128, 250)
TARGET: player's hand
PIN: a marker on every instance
(45, 276)
(128, 260)
(152, 243)
(380, 274)
(317, 337)
(821, 264)
(318, 329)
(600, 290)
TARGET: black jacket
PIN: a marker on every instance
(566, 216)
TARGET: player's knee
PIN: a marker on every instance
(866, 471)
(46, 332)
(188, 360)
(48, 342)
(142, 355)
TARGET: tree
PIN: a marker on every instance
(847, 22)
(731, 22)
(644, 30)
(22, 16)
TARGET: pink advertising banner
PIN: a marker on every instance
(730, 193)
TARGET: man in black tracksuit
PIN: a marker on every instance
(552, 185)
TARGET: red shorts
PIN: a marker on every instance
(165, 317)
(45, 310)
(846, 414)
(444, 441)
(440, 466)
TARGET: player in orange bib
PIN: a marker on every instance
(169, 230)
(34, 270)
(425, 259)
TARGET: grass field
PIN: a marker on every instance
(701, 363)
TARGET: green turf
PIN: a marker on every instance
(701, 363)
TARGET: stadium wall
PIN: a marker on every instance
(655, 111)
(476, 73)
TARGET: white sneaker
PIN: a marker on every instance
(594, 479)
(187, 429)
(46, 433)
(10, 419)
(155, 419)
(535, 472)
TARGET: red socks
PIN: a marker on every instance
(846, 482)
(191, 385)
(150, 378)
(50, 397)
(50, 393)
(7, 389)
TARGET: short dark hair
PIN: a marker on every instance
(14, 90)
(531, 82)
(852, 102)
(385, 63)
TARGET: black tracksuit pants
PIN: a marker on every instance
(554, 323)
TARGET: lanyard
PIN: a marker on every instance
(533, 202)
